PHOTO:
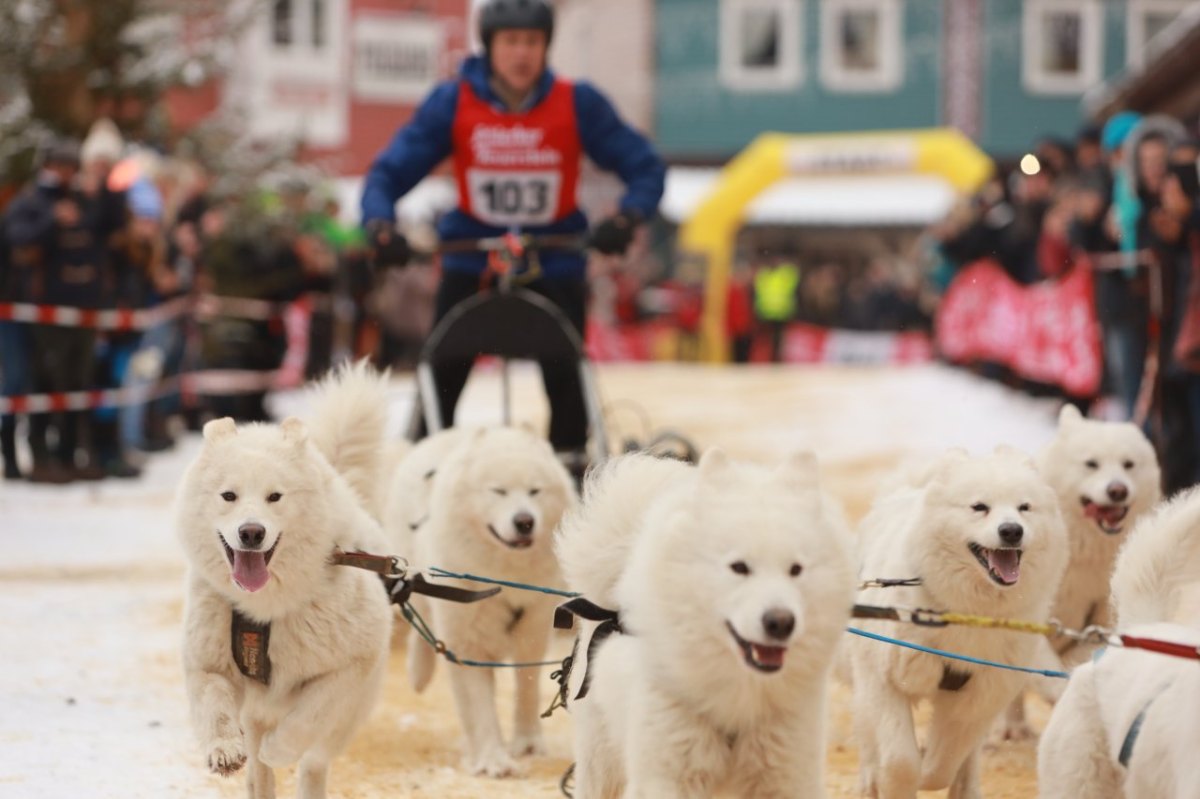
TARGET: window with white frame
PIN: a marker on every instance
(299, 23)
(319, 24)
(283, 23)
(862, 45)
(295, 86)
(1147, 19)
(760, 44)
(1062, 45)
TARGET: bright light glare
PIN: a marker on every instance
(1030, 164)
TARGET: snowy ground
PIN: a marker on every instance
(90, 581)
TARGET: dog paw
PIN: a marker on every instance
(276, 753)
(527, 745)
(496, 765)
(226, 757)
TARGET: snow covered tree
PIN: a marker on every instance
(66, 63)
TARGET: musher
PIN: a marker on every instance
(516, 133)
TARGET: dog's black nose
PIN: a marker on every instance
(1011, 532)
(524, 523)
(778, 624)
(1117, 491)
(251, 535)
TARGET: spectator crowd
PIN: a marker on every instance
(1122, 200)
(106, 226)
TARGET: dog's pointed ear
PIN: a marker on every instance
(294, 430)
(713, 462)
(943, 465)
(219, 429)
(1007, 451)
(800, 470)
(1069, 415)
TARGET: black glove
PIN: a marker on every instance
(614, 235)
(387, 246)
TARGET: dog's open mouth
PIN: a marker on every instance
(520, 543)
(761, 657)
(1109, 518)
(1002, 565)
(249, 567)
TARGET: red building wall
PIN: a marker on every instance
(371, 123)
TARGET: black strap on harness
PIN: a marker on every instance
(249, 641)
(400, 585)
(401, 588)
(564, 619)
(953, 679)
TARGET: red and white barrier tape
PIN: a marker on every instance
(296, 319)
(211, 382)
(108, 319)
(205, 306)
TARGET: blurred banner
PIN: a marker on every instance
(802, 344)
(1046, 333)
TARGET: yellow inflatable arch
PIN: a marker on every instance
(708, 236)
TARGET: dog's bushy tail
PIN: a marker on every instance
(1160, 560)
(349, 425)
(594, 540)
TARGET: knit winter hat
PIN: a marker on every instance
(103, 143)
(1117, 129)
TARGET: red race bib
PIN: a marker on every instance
(517, 169)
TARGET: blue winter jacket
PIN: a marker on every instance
(426, 141)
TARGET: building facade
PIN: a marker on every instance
(339, 75)
(1003, 71)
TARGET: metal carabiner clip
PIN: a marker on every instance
(927, 618)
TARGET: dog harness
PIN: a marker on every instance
(250, 640)
(953, 679)
(1135, 726)
(564, 619)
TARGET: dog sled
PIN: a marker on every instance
(509, 322)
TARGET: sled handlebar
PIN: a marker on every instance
(516, 244)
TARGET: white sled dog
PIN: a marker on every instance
(985, 536)
(1106, 477)
(734, 585)
(1127, 726)
(484, 502)
(284, 653)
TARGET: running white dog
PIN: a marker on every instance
(734, 585)
(1106, 477)
(484, 502)
(985, 536)
(1127, 727)
(284, 653)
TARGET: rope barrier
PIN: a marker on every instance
(203, 306)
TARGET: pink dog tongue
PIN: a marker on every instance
(1006, 563)
(768, 655)
(250, 570)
